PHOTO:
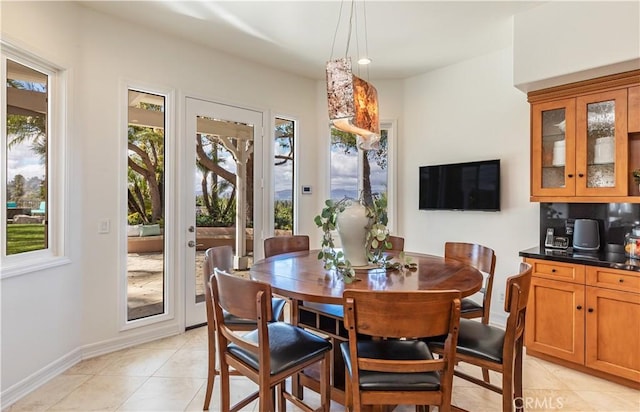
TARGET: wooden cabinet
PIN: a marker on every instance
(612, 332)
(582, 145)
(585, 316)
(555, 319)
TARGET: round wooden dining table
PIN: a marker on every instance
(316, 295)
(301, 276)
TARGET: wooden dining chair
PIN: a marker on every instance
(385, 366)
(483, 259)
(221, 257)
(494, 348)
(269, 354)
(284, 244)
(397, 243)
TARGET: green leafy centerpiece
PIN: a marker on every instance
(376, 240)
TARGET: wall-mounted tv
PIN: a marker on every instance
(461, 186)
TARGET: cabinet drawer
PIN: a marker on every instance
(613, 279)
(558, 270)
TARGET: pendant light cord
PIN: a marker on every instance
(335, 34)
(366, 40)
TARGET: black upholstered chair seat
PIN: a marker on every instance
(288, 346)
(393, 350)
(468, 305)
(476, 339)
(277, 305)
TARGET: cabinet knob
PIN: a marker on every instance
(579, 307)
(553, 271)
(621, 280)
(570, 175)
(590, 310)
(580, 174)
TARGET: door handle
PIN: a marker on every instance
(191, 243)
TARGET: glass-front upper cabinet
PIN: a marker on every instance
(579, 146)
(601, 146)
(553, 147)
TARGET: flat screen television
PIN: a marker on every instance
(461, 186)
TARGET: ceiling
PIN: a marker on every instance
(404, 38)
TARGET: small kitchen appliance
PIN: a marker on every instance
(632, 243)
(586, 235)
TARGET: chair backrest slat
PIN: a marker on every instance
(516, 300)
(284, 244)
(478, 256)
(238, 295)
(397, 243)
(400, 314)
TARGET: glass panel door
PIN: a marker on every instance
(553, 148)
(601, 139)
(223, 202)
(554, 155)
(601, 165)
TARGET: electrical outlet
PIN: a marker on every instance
(501, 296)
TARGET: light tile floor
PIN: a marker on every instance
(170, 375)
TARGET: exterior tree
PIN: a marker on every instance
(347, 143)
(208, 163)
(18, 187)
(146, 158)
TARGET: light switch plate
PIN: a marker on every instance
(104, 226)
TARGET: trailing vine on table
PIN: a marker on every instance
(377, 239)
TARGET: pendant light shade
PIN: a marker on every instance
(352, 103)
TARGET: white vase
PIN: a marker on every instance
(352, 228)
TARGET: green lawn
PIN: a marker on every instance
(25, 238)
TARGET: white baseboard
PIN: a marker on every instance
(39, 378)
(60, 365)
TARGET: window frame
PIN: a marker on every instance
(270, 209)
(171, 262)
(56, 253)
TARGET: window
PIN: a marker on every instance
(146, 277)
(32, 150)
(283, 171)
(355, 173)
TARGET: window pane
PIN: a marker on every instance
(355, 173)
(344, 176)
(283, 176)
(377, 160)
(27, 152)
(146, 206)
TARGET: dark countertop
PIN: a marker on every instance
(609, 259)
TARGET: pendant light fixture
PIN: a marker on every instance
(352, 101)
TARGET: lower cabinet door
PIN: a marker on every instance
(555, 319)
(613, 332)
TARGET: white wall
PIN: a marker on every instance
(466, 112)
(54, 316)
(562, 42)
(41, 313)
